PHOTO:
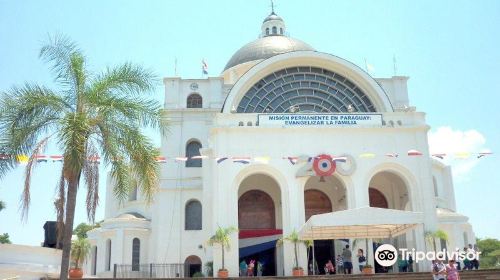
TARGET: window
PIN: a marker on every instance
(94, 261)
(193, 149)
(275, 30)
(193, 215)
(108, 255)
(436, 193)
(132, 196)
(194, 101)
(136, 254)
(267, 31)
(281, 31)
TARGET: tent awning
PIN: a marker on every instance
(365, 222)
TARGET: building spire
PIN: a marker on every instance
(272, 7)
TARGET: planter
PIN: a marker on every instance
(298, 272)
(367, 270)
(76, 273)
(222, 273)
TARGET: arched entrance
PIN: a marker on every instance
(389, 190)
(259, 222)
(192, 264)
(324, 196)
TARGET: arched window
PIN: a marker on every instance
(194, 100)
(136, 254)
(93, 268)
(192, 264)
(267, 31)
(193, 215)
(275, 30)
(281, 31)
(193, 149)
(108, 255)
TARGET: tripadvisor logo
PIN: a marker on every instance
(387, 255)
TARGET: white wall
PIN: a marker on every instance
(29, 262)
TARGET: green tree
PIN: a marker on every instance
(295, 240)
(432, 236)
(4, 239)
(90, 114)
(82, 229)
(490, 252)
(80, 249)
(222, 237)
(2, 205)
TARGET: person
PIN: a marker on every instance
(457, 259)
(438, 270)
(467, 264)
(243, 268)
(260, 268)
(451, 271)
(347, 256)
(410, 263)
(361, 260)
(329, 269)
(340, 264)
(251, 265)
(402, 264)
(475, 261)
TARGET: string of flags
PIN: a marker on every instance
(23, 159)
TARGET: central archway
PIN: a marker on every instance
(259, 222)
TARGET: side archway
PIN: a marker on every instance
(192, 265)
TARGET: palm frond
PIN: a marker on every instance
(91, 176)
(26, 197)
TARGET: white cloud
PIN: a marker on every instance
(451, 142)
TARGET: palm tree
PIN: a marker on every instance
(294, 239)
(431, 236)
(222, 237)
(80, 249)
(89, 114)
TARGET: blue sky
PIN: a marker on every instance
(448, 48)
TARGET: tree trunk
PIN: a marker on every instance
(68, 224)
(223, 267)
(296, 257)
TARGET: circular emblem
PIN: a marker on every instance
(386, 255)
(194, 86)
(323, 165)
(348, 167)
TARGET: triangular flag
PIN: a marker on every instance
(367, 155)
(220, 159)
(414, 153)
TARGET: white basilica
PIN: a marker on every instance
(256, 132)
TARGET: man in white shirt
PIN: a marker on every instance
(438, 270)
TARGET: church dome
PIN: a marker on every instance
(273, 41)
(266, 47)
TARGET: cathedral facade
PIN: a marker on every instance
(249, 146)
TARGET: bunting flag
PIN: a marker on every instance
(22, 159)
(392, 155)
(244, 160)
(56, 158)
(160, 159)
(440, 156)
(94, 159)
(41, 158)
(220, 159)
(414, 153)
(339, 159)
(4, 156)
(181, 159)
(293, 160)
(199, 157)
(262, 159)
(462, 155)
(483, 154)
(204, 67)
(367, 155)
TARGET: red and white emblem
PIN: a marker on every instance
(324, 165)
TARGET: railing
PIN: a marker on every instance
(152, 270)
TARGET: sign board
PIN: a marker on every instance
(320, 120)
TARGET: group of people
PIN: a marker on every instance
(343, 263)
(250, 268)
(440, 271)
